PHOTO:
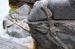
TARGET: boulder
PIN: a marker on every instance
(17, 16)
(16, 37)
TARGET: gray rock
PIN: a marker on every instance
(37, 13)
(24, 10)
(21, 13)
(16, 31)
(18, 15)
(39, 27)
(66, 10)
(64, 29)
(8, 44)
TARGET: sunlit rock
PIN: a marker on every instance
(9, 44)
(15, 25)
(18, 16)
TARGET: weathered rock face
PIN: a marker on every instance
(17, 16)
(37, 14)
(8, 44)
(64, 10)
(17, 32)
(64, 29)
(23, 10)
(39, 28)
(15, 25)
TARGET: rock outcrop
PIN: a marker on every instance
(17, 30)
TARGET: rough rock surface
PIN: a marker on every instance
(8, 44)
(64, 29)
(66, 10)
(18, 16)
(18, 37)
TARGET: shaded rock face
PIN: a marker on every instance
(28, 1)
(15, 1)
(19, 3)
(64, 9)
(37, 14)
(39, 27)
(64, 28)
